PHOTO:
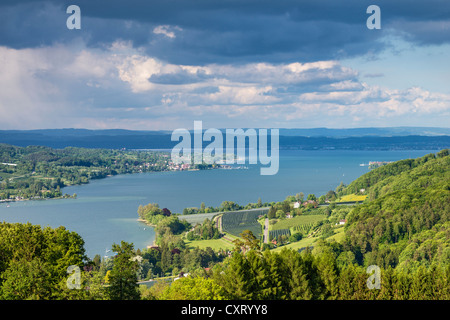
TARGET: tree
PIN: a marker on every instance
(196, 288)
(331, 195)
(311, 197)
(327, 231)
(296, 273)
(422, 285)
(229, 206)
(340, 188)
(286, 207)
(171, 224)
(27, 280)
(248, 242)
(92, 287)
(272, 212)
(322, 199)
(166, 212)
(237, 278)
(280, 214)
(387, 284)
(33, 259)
(325, 262)
(443, 153)
(123, 278)
(276, 283)
(295, 237)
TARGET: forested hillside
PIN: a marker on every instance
(406, 221)
(40, 172)
(429, 170)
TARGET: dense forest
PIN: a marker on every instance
(406, 221)
(402, 229)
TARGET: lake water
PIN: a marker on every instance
(105, 211)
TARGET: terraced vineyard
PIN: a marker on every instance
(303, 228)
(273, 234)
(235, 222)
(301, 224)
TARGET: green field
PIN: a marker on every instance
(339, 234)
(309, 242)
(215, 244)
(306, 242)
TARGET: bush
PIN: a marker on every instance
(296, 237)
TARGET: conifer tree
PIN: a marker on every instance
(123, 278)
(298, 280)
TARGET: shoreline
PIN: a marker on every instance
(150, 225)
(105, 177)
(146, 222)
(38, 199)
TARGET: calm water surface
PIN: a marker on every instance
(105, 211)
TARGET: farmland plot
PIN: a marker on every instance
(235, 222)
(301, 224)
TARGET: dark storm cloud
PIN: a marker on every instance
(231, 31)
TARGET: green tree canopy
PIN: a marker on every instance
(122, 279)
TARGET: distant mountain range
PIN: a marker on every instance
(362, 132)
(314, 138)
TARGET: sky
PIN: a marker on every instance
(162, 64)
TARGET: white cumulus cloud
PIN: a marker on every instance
(122, 86)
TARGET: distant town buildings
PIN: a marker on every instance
(304, 204)
(376, 164)
(179, 167)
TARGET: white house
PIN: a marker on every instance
(181, 275)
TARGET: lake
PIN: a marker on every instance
(105, 211)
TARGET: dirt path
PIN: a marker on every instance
(266, 231)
